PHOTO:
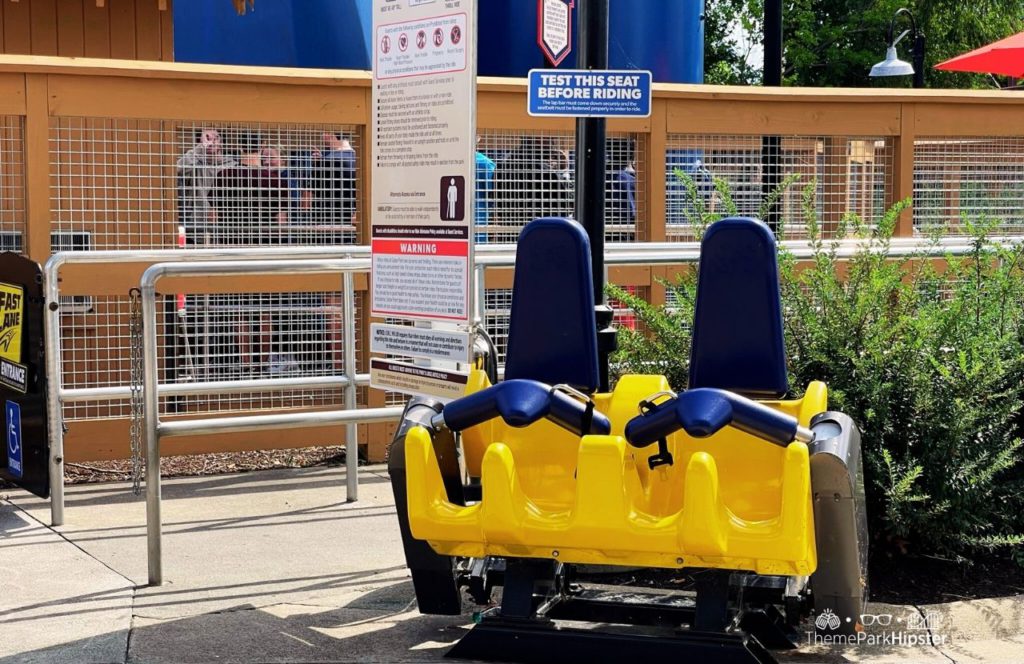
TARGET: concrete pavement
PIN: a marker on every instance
(276, 567)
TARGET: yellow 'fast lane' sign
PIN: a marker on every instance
(12, 312)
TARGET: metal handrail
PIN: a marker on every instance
(57, 394)
(151, 389)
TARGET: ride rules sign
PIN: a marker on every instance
(422, 196)
(424, 145)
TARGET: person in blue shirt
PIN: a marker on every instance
(484, 188)
(329, 197)
(620, 183)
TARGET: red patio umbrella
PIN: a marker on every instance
(1005, 57)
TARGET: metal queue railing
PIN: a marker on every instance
(346, 261)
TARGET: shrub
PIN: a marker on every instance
(927, 358)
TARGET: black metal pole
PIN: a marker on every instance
(918, 59)
(771, 145)
(917, 49)
(590, 170)
(590, 139)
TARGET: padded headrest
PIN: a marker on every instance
(737, 326)
(552, 334)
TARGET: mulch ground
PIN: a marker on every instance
(924, 580)
(192, 465)
(899, 580)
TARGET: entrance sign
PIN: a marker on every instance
(554, 29)
(25, 444)
(447, 345)
(590, 93)
(424, 111)
(13, 374)
(422, 196)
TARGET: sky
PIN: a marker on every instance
(739, 37)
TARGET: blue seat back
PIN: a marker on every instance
(552, 334)
(737, 326)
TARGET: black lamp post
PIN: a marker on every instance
(892, 65)
(591, 134)
(771, 146)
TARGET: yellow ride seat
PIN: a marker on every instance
(729, 501)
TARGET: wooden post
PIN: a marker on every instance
(903, 169)
(657, 209)
(654, 171)
(37, 168)
(835, 183)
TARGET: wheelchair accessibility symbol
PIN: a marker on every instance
(14, 444)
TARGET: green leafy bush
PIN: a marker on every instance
(926, 356)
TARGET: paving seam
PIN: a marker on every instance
(131, 584)
(72, 543)
(131, 630)
(931, 636)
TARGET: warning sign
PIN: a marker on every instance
(424, 107)
(424, 279)
(422, 381)
(448, 345)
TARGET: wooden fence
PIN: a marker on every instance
(88, 152)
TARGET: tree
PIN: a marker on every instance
(725, 59)
(833, 43)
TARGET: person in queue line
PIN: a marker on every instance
(197, 172)
(328, 197)
(290, 341)
(485, 168)
(251, 200)
(274, 157)
(620, 185)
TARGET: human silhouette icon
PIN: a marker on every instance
(453, 198)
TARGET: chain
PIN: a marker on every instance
(135, 333)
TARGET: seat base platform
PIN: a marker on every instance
(534, 641)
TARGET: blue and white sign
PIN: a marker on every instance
(14, 446)
(590, 93)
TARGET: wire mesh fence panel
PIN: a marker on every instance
(974, 178)
(137, 184)
(205, 338)
(257, 336)
(497, 313)
(709, 176)
(12, 183)
(522, 176)
(133, 184)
